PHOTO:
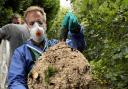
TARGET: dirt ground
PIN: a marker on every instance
(60, 67)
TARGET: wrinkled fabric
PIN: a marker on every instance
(16, 34)
(4, 61)
(11, 37)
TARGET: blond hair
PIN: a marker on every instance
(35, 8)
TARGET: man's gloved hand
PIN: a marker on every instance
(75, 28)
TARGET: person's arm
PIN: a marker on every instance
(4, 32)
(17, 77)
(70, 25)
(64, 28)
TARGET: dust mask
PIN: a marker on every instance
(37, 33)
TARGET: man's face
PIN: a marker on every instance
(16, 20)
(34, 16)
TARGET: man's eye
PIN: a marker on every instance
(31, 23)
(40, 23)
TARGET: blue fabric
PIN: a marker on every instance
(22, 62)
(77, 41)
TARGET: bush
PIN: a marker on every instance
(107, 38)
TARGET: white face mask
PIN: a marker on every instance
(37, 33)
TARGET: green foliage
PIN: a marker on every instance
(49, 73)
(5, 15)
(8, 7)
(54, 31)
(17, 5)
(107, 39)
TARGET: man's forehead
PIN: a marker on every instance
(34, 14)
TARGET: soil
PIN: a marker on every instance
(60, 67)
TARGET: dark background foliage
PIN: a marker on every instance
(8, 7)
